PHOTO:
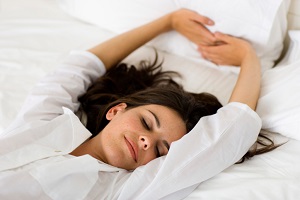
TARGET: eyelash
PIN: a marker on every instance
(143, 121)
(157, 152)
(145, 124)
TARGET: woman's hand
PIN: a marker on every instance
(192, 25)
(187, 22)
(238, 52)
(230, 50)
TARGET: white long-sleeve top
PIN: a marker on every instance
(34, 151)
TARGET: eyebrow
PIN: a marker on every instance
(156, 118)
(158, 125)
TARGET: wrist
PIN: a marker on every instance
(168, 18)
(174, 19)
(248, 53)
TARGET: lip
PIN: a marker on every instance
(132, 149)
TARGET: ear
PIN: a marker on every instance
(114, 110)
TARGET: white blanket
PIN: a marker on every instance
(35, 35)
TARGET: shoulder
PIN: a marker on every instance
(240, 111)
(84, 58)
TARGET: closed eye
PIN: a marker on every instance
(157, 152)
(143, 121)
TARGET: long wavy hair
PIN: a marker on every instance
(145, 85)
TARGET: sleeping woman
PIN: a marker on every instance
(140, 135)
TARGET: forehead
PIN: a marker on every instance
(162, 111)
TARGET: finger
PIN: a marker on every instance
(207, 55)
(205, 42)
(213, 53)
(212, 49)
(208, 37)
(215, 60)
(219, 43)
(203, 32)
(223, 37)
(203, 54)
(204, 36)
(203, 19)
(212, 58)
(201, 41)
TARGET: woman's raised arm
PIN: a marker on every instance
(186, 22)
(216, 142)
(80, 69)
(238, 52)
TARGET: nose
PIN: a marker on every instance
(145, 142)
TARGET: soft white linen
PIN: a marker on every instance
(279, 105)
(293, 51)
(35, 36)
(37, 144)
(274, 175)
(264, 26)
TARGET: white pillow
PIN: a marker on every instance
(279, 103)
(293, 51)
(261, 22)
(196, 76)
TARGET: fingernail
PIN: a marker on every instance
(218, 33)
(210, 22)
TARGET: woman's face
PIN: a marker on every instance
(135, 136)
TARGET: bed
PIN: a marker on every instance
(36, 35)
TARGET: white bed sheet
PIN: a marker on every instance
(35, 35)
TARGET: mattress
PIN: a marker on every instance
(36, 35)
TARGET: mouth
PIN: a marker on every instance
(132, 149)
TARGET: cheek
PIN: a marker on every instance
(176, 133)
(113, 149)
(180, 134)
(111, 141)
(131, 127)
(147, 157)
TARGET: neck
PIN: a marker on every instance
(89, 147)
(82, 149)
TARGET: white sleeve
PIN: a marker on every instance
(215, 143)
(60, 88)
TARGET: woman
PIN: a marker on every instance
(173, 114)
(48, 154)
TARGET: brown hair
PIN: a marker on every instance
(262, 145)
(150, 85)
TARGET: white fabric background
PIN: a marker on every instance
(35, 35)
